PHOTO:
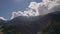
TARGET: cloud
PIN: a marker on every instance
(41, 8)
(30, 11)
(36, 9)
(48, 6)
(2, 18)
(45, 6)
(15, 14)
(33, 5)
(25, 13)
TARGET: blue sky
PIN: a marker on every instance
(8, 6)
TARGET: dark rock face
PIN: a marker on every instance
(2, 22)
(26, 25)
(54, 27)
(31, 24)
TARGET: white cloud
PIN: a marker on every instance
(33, 5)
(2, 18)
(25, 13)
(36, 9)
(48, 6)
(41, 8)
(15, 14)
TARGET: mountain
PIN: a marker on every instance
(36, 23)
(55, 16)
(54, 27)
(2, 22)
(32, 23)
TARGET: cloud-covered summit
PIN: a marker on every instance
(41, 8)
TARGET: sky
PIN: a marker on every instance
(9, 6)
(10, 9)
